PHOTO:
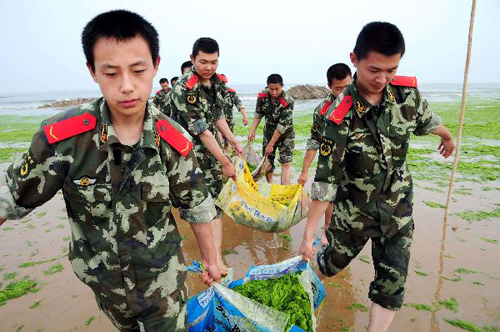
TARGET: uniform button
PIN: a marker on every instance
(86, 122)
(163, 128)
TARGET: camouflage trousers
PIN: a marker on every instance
(170, 314)
(390, 259)
(285, 147)
(212, 174)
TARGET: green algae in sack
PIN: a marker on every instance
(285, 294)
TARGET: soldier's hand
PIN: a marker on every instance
(229, 171)
(306, 249)
(251, 136)
(446, 147)
(238, 149)
(245, 121)
(302, 178)
(269, 149)
(211, 274)
(2, 221)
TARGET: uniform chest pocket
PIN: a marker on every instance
(155, 192)
(90, 204)
(399, 141)
(361, 155)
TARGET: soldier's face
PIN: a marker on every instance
(124, 71)
(375, 71)
(338, 86)
(164, 86)
(275, 89)
(205, 64)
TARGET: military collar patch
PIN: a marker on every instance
(104, 133)
(191, 97)
(390, 95)
(29, 162)
(360, 107)
(84, 181)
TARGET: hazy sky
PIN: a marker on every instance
(40, 45)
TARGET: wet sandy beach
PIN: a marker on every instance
(467, 258)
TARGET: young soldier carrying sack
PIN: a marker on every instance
(362, 169)
(122, 165)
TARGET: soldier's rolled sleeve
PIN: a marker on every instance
(259, 112)
(8, 206)
(198, 127)
(312, 144)
(323, 191)
(427, 120)
(201, 213)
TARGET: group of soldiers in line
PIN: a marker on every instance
(122, 165)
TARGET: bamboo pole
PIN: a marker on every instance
(462, 112)
(434, 321)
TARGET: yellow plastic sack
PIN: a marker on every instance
(262, 206)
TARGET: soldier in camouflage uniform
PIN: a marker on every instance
(232, 100)
(120, 179)
(198, 101)
(276, 106)
(362, 168)
(339, 77)
(162, 97)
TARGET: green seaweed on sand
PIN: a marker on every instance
(434, 205)
(35, 304)
(464, 325)
(421, 273)
(365, 259)
(450, 304)
(229, 252)
(17, 289)
(53, 269)
(89, 321)
(358, 306)
(471, 216)
(29, 264)
(489, 240)
(420, 306)
(10, 276)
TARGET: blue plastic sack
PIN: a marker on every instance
(219, 308)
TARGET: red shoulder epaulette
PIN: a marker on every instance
(340, 112)
(262, 95)
(64, 129)
(223, 78)
(283, 102)
(325, 108)
(157, 92)
(174, 137)
(192, 82)
(408, 81)
(231, 90)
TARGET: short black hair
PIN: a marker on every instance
(274, 78)
(174, 79)
(380, 37)
(186, 64)
(163, 80)
(206, 45)
(338, 71)
(121, 25)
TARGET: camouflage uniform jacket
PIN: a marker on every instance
(161, 101)
(197, 108)
(362, 164)
(278, 114)
(125, 244)
(231, 100)
(319, 117)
